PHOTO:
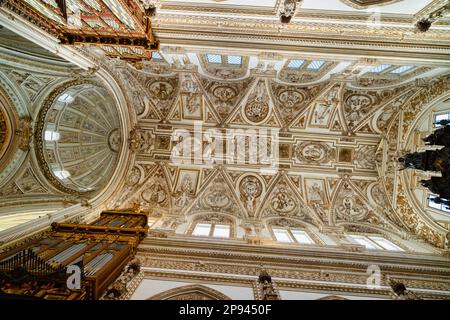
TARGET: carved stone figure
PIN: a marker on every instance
(438, 185)
(439, 137)
(250, 189)
(257, 107)
(429, 160)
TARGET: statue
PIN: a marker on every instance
(434, 160)
(438, 185)
(440, 136)
(429, 160)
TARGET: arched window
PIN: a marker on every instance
(374, 242)
(190, 292)
(287, 231)
(212, 225)
(292, 235)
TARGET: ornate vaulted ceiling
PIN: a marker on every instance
(343, 96)
(337, 125)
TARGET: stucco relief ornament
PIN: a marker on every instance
(224, 95)
(351, 209)
(288, 9)
(162, 91)
(356, 106)
(283, 203)
(217, 198)
(257, 107)
(141, 140)
(313, 153)
(25, 133)
(134, 177)
(151, 6)
(186, 194)
(250, 189)
(365, 157)
(114, 140)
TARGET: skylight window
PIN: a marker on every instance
(66, 98)
(214, 58)
(51, 135)
(402, 69)
(62, 174)
(282, 235)
(151, 222)
(316, 65)
(295, 64)
(364, 242)
(385, 244)
(156, 55)
(237, 60)
(302, 237)
(380, 68)
(292, 236)
(375, 243)
(441, 116)
(202, 229)
(438, 206)
(221, 231)
(212, 230)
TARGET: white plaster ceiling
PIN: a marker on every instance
(402, 7)
(257, 3)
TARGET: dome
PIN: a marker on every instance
(81, 137)
(5, 131)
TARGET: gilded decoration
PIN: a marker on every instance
(257, 107)
(338, 130)
(302, 113)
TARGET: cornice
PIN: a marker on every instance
(314, 256)
(387, 50)
(24, 62)
(298, 282)
(248, 281)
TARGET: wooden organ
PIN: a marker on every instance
(121, 29)
(39, 268)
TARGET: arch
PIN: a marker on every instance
(288, 222)
(332, 297)
(14, 129)
(284, 222)
(366, 229)
(8, 125)
(190, 292)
